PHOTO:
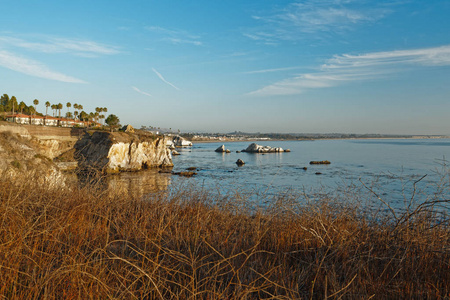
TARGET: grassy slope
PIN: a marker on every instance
(81, 243)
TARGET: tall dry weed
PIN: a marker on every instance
(82, 242)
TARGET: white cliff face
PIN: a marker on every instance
(136, 156)
(115, 152)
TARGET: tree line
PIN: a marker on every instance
(12, 106)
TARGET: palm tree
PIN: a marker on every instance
(35, 102)
(75, 112)
(53, 108)
(13, 100)
(98, 110)
(68, 104)
(60, 106)
(69, 115)
(47, 104)
(91, 116)
(22, 106)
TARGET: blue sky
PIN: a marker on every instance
(219, 66)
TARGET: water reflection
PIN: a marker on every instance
(137, 184)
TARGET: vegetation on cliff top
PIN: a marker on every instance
(11, 105)
(81, 242)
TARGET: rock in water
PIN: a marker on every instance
(181, 142)
(255, 148)
(185, 174)
(175, 152)
(319, 162)
(240, 162)
(221, 149)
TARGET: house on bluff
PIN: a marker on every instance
(48, 121)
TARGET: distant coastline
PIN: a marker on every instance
(314, 138)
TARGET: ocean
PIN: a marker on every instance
(395, 170)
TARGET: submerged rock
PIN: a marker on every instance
(319, 162)
(185, 174)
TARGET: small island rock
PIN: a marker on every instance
(221, 149)
(240, 162)
(255, 148)
(178, 141)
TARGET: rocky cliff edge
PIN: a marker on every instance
(112, 152)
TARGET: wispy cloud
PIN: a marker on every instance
(347, 68)
(141, 92)
(183, 41)
(272, 70)
(163, 79)
(175, 36)
(310, 17)
(33, 68)
(47, 44)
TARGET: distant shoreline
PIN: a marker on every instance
(321, 139)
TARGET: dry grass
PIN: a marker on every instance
(81, 243)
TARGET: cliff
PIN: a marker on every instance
(70, 148)
(112, 152)
(21, 156)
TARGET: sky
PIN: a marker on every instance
(310, 66)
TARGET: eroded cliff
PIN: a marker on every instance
(112, 152)
(21, 157)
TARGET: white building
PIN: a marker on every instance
(18, 118)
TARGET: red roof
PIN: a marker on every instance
(18, 116)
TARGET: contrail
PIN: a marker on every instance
(141, 92)
(162, 78)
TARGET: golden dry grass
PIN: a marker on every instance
(82, 243)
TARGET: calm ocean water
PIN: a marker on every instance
(387, 166)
